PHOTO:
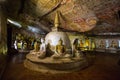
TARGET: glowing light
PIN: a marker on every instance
(36, 30)
(14, 23)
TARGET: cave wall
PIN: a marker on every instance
(3, 41)
(3, 32)
(107, 43)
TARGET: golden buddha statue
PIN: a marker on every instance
(60, 48)
(87, 44)
(36, 46)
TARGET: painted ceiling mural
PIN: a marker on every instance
(76, 15)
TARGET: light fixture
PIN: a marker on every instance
(35, 30)
(14, 23)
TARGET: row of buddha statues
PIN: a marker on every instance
(29, 44)
(42, 50)
(20, 44)
(24, 42)
(108, 44)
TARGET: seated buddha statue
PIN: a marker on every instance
(60, 50)
(48, 50)
(76, 45)
(101, 44)
(77, 48)
(81, 45)
(113, 44)
(36, 48)
(87, 43)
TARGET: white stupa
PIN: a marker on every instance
(56, 34)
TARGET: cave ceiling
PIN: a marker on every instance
(75, 15)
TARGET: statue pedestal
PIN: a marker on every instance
(50, 65)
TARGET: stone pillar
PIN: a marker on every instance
(3, 31)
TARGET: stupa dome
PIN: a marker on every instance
(53, 37)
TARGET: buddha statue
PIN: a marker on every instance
(36, 46)
(81, 45)
(48, 50)
(93, 45)
(76, 45)
(101, 44)
(87, 44)
(42, 50)
(113, 44)
(16, 44)
(60, 50)
(77, 48)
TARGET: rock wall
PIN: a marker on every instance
(3, 32)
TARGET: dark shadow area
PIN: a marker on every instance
(11, 51)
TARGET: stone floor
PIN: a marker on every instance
(104, 67)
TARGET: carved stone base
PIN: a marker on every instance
(50, 65)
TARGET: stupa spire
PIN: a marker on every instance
(57, 19)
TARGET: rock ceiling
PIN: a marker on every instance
(76, 15)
